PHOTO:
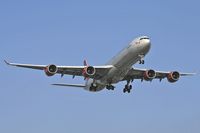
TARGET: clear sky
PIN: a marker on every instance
(66, 33)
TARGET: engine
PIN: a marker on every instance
(50, 70)
(173, 76)
(89, 71)
(149, 75)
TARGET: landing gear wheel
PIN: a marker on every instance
(141, 62)
(124, 90)
(107, 87)
(127, 87)
(110, 87)
(130, 87)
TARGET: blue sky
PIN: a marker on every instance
(66, 33)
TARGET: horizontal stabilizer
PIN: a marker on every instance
(70, 85)
(188, 74)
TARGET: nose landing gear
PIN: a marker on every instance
(141, 61)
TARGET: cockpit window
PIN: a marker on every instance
(144, 38)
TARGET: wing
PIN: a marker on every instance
(136, 73)
(68, 70)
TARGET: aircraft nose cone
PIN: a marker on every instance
(146, 44)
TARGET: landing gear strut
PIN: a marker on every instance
(110, 87)
(128, 87)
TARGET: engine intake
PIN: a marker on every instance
(89, 71)
(173, 76)
(149, 75)
(50, 70)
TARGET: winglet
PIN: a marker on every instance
(7, 62)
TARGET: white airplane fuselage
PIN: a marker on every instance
(119, 68)
(122, 63)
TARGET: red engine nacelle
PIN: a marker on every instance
(50, 70)
(173, 76)
(149, 75)
(89, 71)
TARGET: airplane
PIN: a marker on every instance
(119, 68)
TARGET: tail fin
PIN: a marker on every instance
(85, 63)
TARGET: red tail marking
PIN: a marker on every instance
(84, 70)
(85, 63)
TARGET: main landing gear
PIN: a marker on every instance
(128, 87)
(110, 87)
